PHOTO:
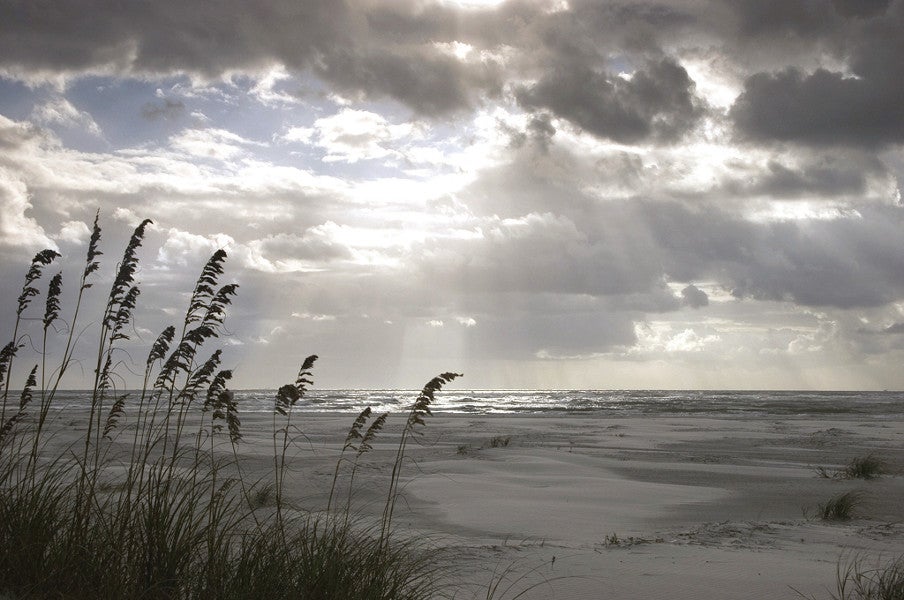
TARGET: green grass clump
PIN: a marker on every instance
(840, 507)
(161, 509)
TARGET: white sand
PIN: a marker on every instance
(702, 507)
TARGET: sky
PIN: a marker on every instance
(536, 193)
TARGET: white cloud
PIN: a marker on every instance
(212, 143)
(354, 135)
(59, 111)
(182, 249)
(16, 228)
(659, 336)
(264, 89)
(313, 317)
(74, 232)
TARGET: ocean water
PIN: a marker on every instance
(599, 402)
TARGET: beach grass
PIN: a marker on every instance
(840, 507)
(866, 467)
(161, 509)
(499, 441)
(856, 580)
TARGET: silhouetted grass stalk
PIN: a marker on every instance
(416, 415)
(178, 522)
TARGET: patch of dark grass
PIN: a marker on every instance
(866, 467)
(261, 495)
(840, 507)
(499, 441)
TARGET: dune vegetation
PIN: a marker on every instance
(151, 500)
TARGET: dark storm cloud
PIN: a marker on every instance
(694, 297)
(861, 8)
(894, 329)
(160, 38)
(827, 177)
(780, 17)
(657, 102)
(842, 263)
(429, 82)
(821, 108)
(864, 107)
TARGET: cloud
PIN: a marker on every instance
(428, 80)
(694, 297)
(827, 178)
(157, 39)
(805, 18)
(182, 248)
(846, 262)
(861, 8)
(657, 101)
(167, 109)
(353, 135)
(17, 229)
(314, 317)
(74, 232)
(861, 105)
(550, 181)
(820, 108)
(59, 111)
(212, 143)
(894, 329)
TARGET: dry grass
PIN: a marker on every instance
(857, 581)
(154, 510)
(866, 467)
(840, 507)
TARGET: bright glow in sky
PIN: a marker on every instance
(538, 193)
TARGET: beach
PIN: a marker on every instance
(584, 506)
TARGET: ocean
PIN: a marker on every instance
(869, 404)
